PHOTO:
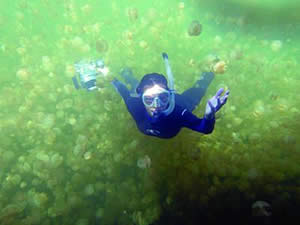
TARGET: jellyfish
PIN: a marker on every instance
(276, 45)
(133, 14)
(101, 45)
(220, 67)
(144, 162)
(195, 28)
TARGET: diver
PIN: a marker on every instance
(159, 111)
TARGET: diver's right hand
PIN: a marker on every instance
(215, 103)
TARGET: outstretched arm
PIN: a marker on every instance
(215, 103)
(122, 89)
(205, 126)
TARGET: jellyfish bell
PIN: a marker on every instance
(262, 211)
(181, 5)
(101, 45)
(195, 28)
(152, 13)
(96, 28)
(143, 44)
(19, 15)
(144, 162)
(276, 45)
(220, 67)
(86, 9)
(23, 74)
(128, 35)
(133, 14)
(218, 39)
(236, 54)
(77, 41)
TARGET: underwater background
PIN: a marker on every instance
(70, 156)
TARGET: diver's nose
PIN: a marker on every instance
(156, 102)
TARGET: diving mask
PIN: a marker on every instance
(156, 97)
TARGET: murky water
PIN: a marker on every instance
(70, 156)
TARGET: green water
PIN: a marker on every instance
(70, 157)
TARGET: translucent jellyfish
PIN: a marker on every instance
(21, 159)
(218, 39)
(23, 74)
(133, 144)
(2, 47)
(86, 9)
(48, 122)
(152, 13)
(89, 190)
(259, 109)
(144, 162)
(210, 60)
(101, 45)
(195, 28)
(192, 62)
(236, 137)
(143, 44)
(7, 156)
(87, 155)
(236, 54)
(16, 179)
(220, 67)
(46, 63)
(261, 209)
(68, 29)
(51, 74)
(237, 121)
(276, 45)
(85, 48)
(56, 160)
(43, 157)
(19, 15)
(81, 140)
(274, 124)
(26, 167)
(23, 184)
(82, 222)
(252, 173)
(67, 103)
(40, 199)
(100, 213)
(72, 121)
(181, 5)
(232, 108)
(77, 42)
(70, 70)
(133, 14)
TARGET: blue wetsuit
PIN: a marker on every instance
(182, 116)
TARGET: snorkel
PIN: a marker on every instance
(171, 85)
(157, 92)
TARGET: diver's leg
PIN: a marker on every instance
(194, 95)
(126, 73)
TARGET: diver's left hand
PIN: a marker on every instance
(215, 103)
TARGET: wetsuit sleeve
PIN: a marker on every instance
(122, 89)
(193, 122)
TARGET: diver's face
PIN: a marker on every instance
(156, 99)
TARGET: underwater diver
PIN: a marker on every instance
(159, 111)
